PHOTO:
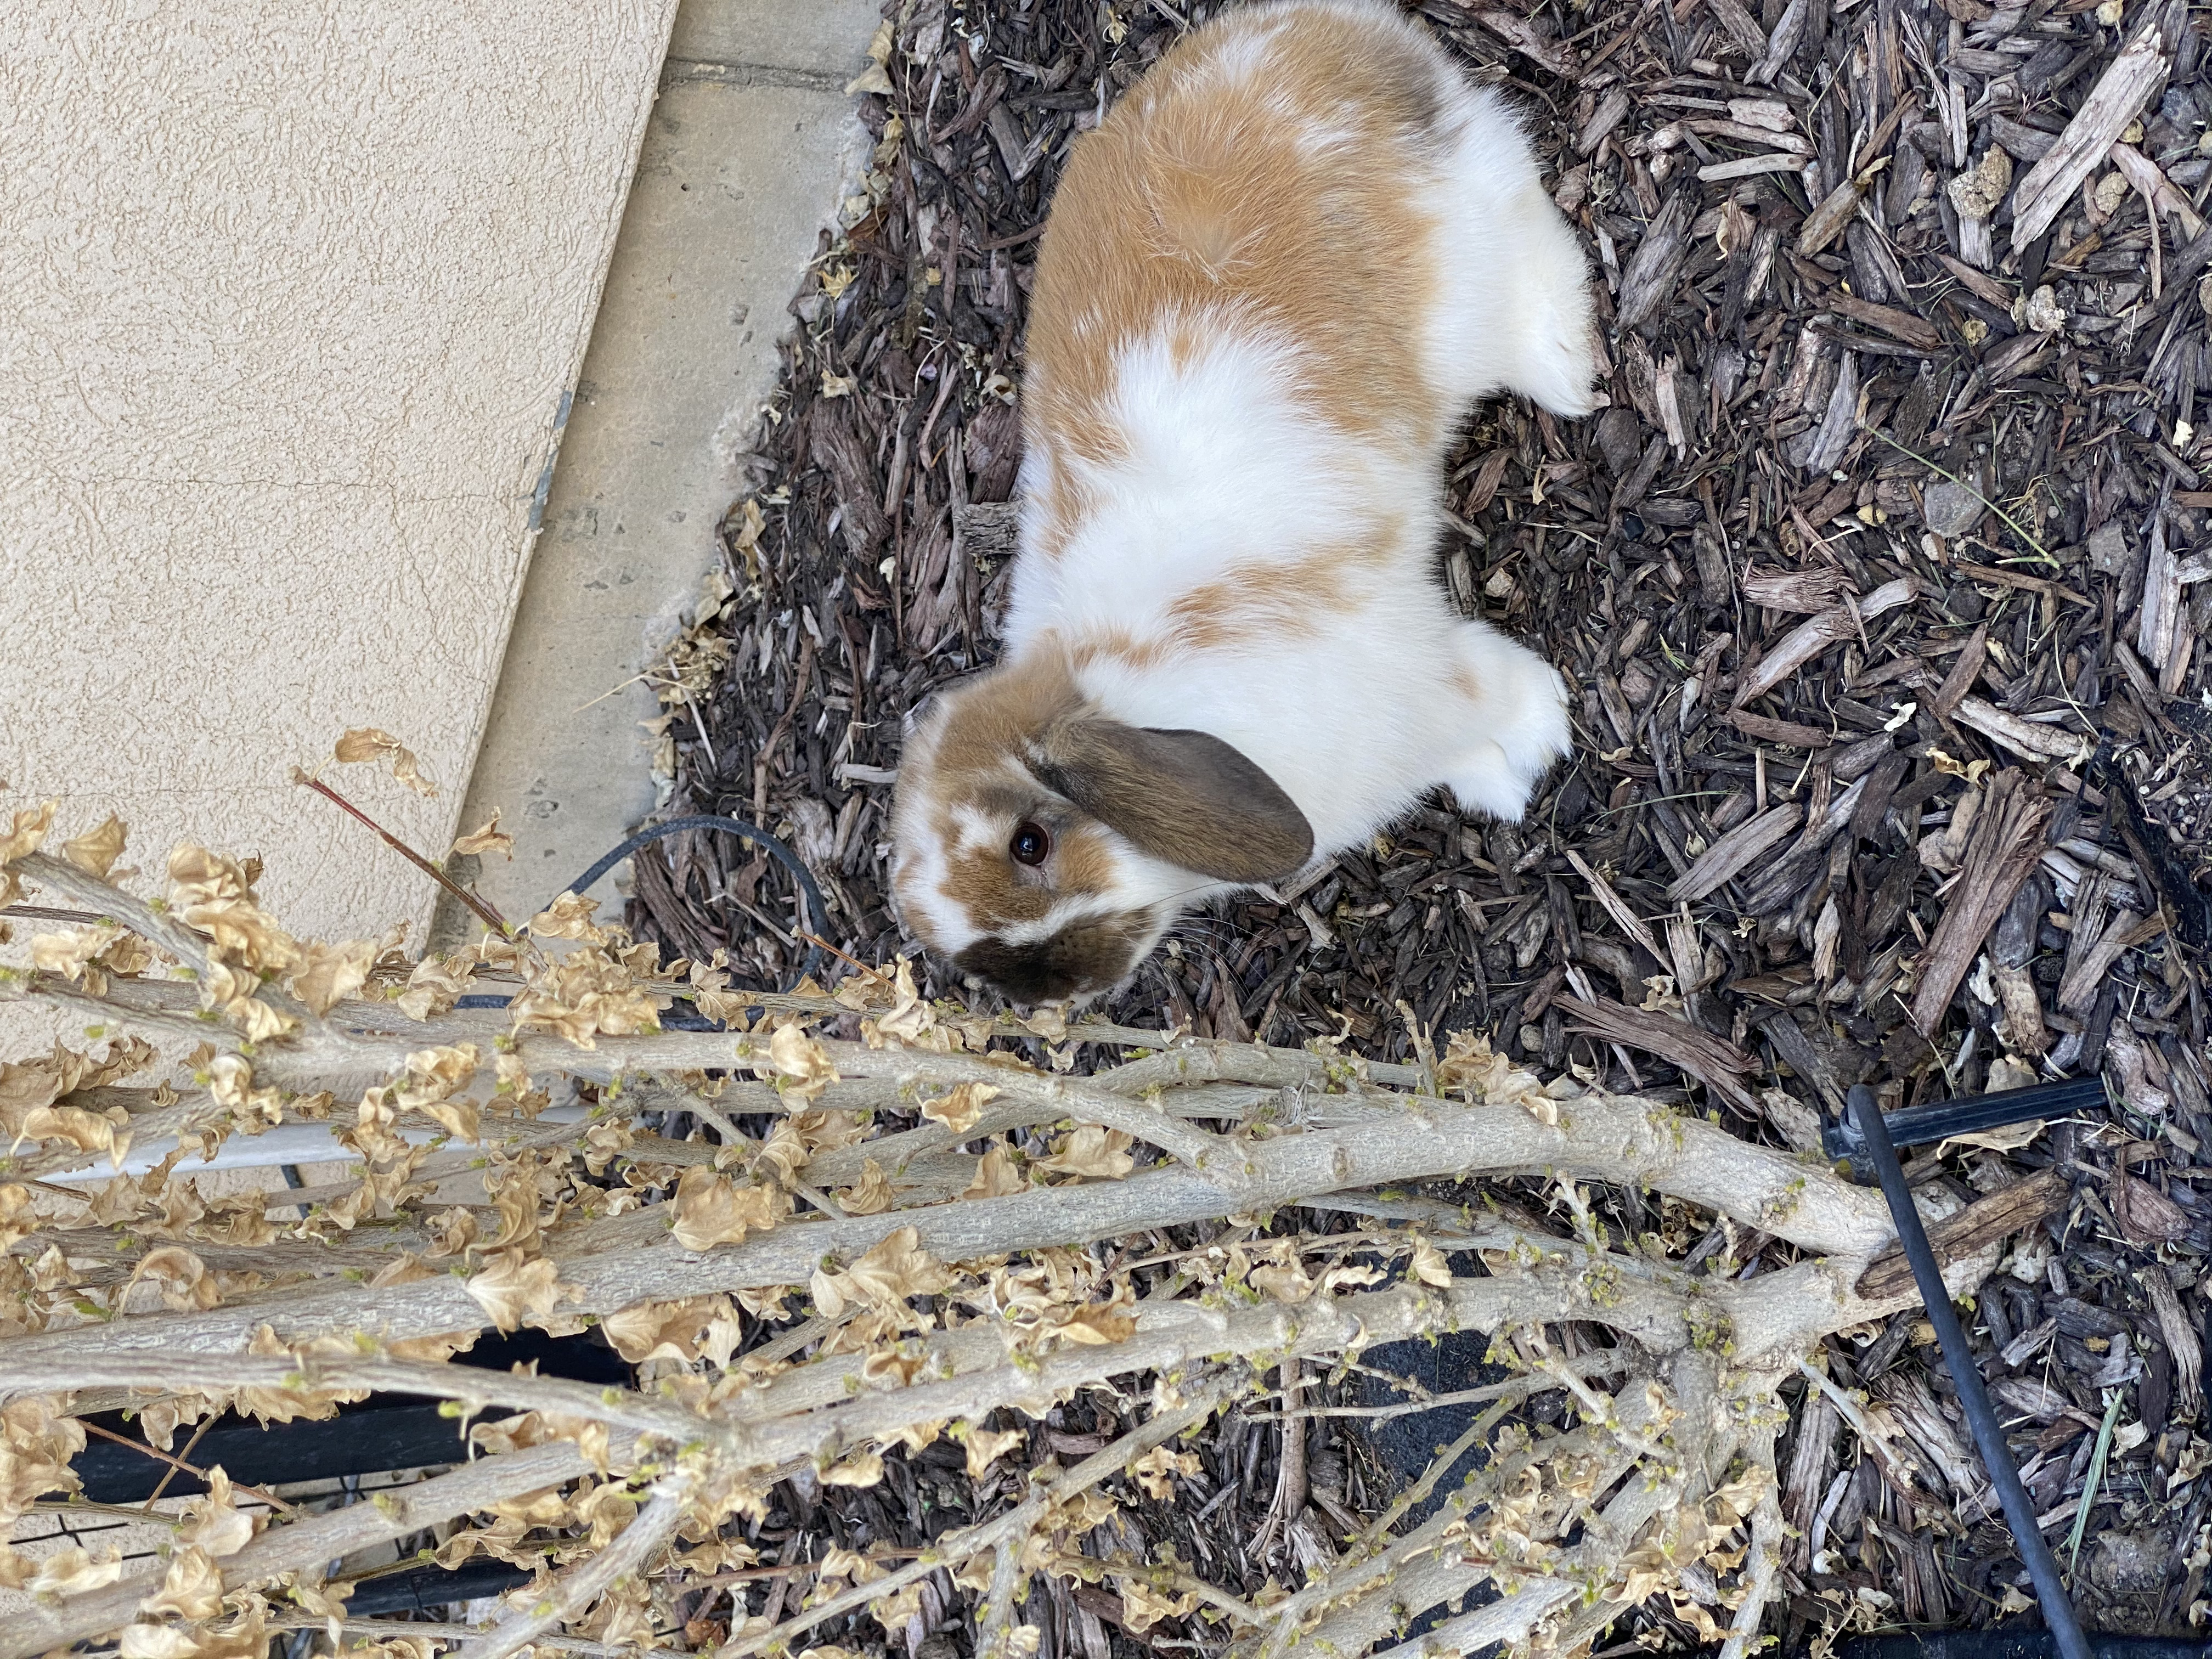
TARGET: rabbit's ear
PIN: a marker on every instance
(1187, 798)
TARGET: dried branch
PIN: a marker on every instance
(576, 1589)
(307, 1545)
(1301, 1127)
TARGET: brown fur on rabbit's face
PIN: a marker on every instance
(1045, 849)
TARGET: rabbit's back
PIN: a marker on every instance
(1263, 183)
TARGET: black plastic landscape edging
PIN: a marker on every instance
(418, 1590)
(2036, 1644)
(384, 1433)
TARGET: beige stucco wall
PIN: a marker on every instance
(291, 294)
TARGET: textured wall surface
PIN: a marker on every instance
(291, 297)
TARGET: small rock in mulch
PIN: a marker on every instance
(1951, 509)
(2130, 1562)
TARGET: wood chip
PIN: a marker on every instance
(1730, 855)
(1714, 1061)
(2086, 973)
(1783, 732)
(2121, 93)
(1899, 325)
(1964, 670)
(2029, 739)
(1970, 1230)
(2143, 173)
(1522, 34)
(1750, 166)
(1825, 223)
(1741, 27)
(2008, 841)
(1631, 924)
(2182, 1341)
(1650, 275)
(1797, 649)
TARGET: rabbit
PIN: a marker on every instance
(1274, 280)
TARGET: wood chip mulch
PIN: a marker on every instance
(1881, 585)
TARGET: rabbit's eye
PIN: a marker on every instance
(1032, 843)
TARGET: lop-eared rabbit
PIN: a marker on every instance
(1273, 282)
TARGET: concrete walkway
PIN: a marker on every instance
(741, 167)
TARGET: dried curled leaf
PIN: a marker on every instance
(69, 953)
(95, 851)
(72, 1572)
(214, 895)
(326, 975)
(713, 1209)
(802, 1065)
(872, 1194)
(487, 837)
(158, 1642)
(1428, 1264)
(366, 744)
(674, 1330)
(866, 1469)
(1142, 1607)
(514, 1288)
(986, 1446)
(1091, 1152)
(1156, 1469)
(569, 916)
(587, 992)
(23, 836)
(191, 1588)
(245, 1637)
(16, 1216)
(894, 1270)
(997, 1174)
(959, 1110)
(183, 1278)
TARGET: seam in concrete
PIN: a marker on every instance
(543, 490)
(748, 75)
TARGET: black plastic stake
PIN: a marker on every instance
(1966, 1377)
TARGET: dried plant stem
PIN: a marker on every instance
(481, 907)
(102, 898)
(474, 1387)
(581, 1585)
(1564, 1576)
(1697, 1359)
(1366, 1565)
(309, 1544)
(1766, 1557)
(386, 1630)
(1015, 1524)
(1604, 1137)
(178, 1463)
(1289, 1500)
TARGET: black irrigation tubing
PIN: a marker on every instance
(2065, 1628)
(817, 911)
(1926, 1125)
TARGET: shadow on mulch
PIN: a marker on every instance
(1877, 581)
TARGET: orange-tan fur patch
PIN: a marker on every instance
(1204, 190)
(1120, 645)
(1255, 603)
